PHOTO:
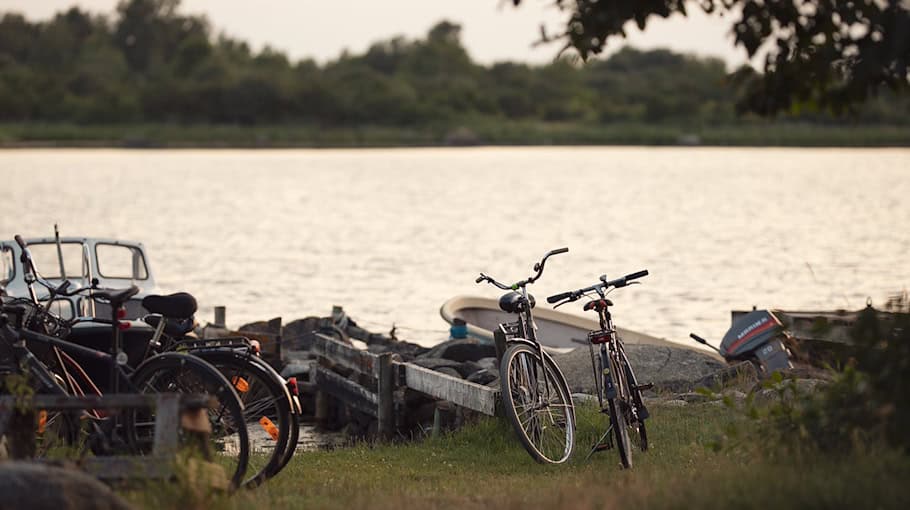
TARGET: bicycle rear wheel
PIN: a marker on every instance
(538, 404)
(266, 411)
(183, 373)
(638, 419)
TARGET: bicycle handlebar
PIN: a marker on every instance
(538, 267)
(573, 295)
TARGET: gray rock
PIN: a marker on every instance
(488, 363)
(436, 363)
(298, 369)
(673, 403)
(673, 368)
(467, 349)
(449, 371)
(695, 398)
(584, 398)
(484, 376)
(44, 487)
(736, 395)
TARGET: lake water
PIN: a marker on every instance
(391, 234)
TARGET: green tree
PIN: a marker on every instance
(829, 54)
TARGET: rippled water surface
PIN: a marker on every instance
(391, 234)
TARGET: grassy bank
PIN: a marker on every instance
(483, 466)
(471, 132)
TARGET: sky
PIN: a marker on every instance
(492, 30)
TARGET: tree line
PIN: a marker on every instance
(150, 63)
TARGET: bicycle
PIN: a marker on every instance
(535, 395)
(270, 401)
(618, 392)
(164, 372)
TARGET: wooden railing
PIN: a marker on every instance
(372, 382)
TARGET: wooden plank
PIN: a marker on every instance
(118, 401)
(167, 422)
(347, 391)
(458, 391)
(344, 354)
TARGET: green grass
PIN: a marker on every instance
(483, 466)
(484, 131)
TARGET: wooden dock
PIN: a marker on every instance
(376, 384)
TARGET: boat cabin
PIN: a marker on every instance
(114, 263)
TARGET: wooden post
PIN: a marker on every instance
(167, 422)
(220, 316)
(386, 393)
(321, 399)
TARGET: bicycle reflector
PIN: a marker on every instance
(123, 326)
(121, 313)
(599, 337)
(292, 386)
(269, 427)
(241, 384)
(42, 421)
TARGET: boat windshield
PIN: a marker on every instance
(7, 269)
(47, 260)
(120, 262)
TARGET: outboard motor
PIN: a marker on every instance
(756, 337)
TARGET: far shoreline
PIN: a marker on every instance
(468, 134)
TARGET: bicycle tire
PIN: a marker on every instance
(294, 435)
(519, 370)
(262, 395)
(617, 415)
(173, 372)
(293, 439)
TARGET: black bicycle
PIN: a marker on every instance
(535, 395)
(31, 348)
(618, 392)
(271, 406)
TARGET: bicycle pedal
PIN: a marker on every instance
(601, 447)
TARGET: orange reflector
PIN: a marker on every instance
(240, 383)
(42, 421)
(269, 427)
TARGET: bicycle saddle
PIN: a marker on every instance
(511, 302)
(116, 295)
(175, 306)
(597, 304)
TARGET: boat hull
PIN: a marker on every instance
(555, 329)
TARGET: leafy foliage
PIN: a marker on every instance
(150, 64)
(819, 54)
(865, 404)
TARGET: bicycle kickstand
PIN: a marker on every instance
(600, 444)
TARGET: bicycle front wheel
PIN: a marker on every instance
(538, 404)
(614, 394)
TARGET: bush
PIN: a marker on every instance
(865, 404)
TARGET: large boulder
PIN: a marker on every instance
(673, 368)
(464, 349)
(44, 487)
